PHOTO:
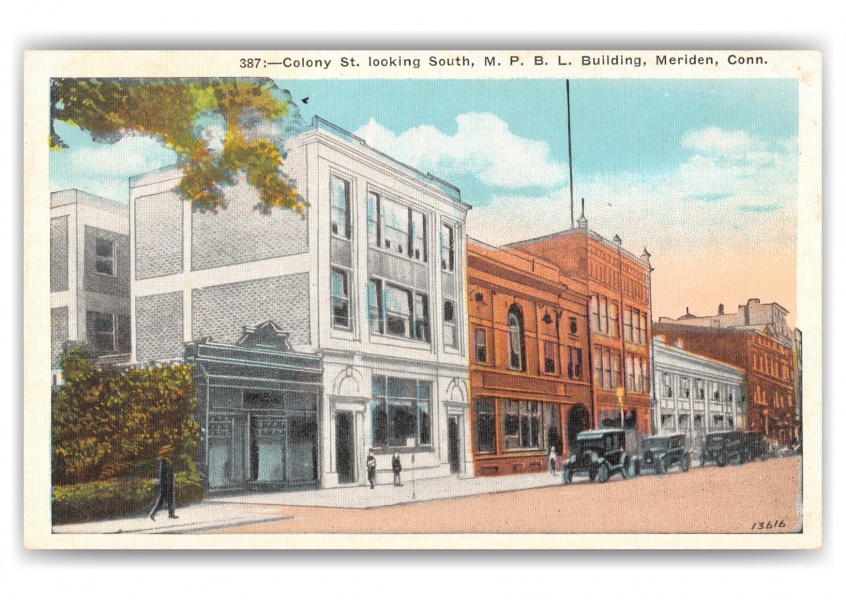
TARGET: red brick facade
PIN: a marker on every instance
(529, 376)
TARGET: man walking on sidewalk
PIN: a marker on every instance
(371, 468)
(396, 465)
(166, 485)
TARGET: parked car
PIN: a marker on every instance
(600, 453)
(661, 452)
(754, 446)
(723, 447)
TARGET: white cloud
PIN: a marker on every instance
(129, 156)
(482, 146)
(716, 141)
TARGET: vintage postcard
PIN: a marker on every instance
(411, 299)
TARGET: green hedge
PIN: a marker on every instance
(127, 498)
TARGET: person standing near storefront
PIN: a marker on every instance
(166, 485)
(553, 460)
(396, 465)
(371, 468)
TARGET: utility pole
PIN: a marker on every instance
(570, 161)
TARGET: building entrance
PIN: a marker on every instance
(454, 445)
(345, 447)
(578, 420)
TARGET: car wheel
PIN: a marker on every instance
(566, 477)
(603, 473)
(685, 463)
(627, 465)
(662, 465)
(636, 467)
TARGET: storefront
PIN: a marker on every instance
(257, 406)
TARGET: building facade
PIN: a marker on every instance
(89, 275)
(370, 277)
(529, 382)
(694, 394)
(770, 401)
(619, 286)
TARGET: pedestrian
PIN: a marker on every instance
(396, 465)
(371, 468)
(553, 460)
(166, 485)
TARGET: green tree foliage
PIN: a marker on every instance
(178, 113)
(109, 425)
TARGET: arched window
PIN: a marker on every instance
(516, 345)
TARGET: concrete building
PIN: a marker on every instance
(89, 275)
(694, 394)
(529, 381)
(371, 277)
(619, 286)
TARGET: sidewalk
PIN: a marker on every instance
(217, 512)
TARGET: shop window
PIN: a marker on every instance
(339, 194)
(340, 299)
(400, 412)
(522, 424)
(485, 426)
(104, 251)
(481, 343)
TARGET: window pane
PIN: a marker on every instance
(485, 426)
(447, 248)
(373, 234)
(397, 311)
(481, 346)
(402, 423)
(418, 236)
(394, 226)
(515, 342)
(402, 388)
(424, 424)
(340, 299)
(421, 317)
(339, 194)
(378, 424)
(549, 357)
(374, 306)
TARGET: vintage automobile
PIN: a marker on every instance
(600, 453)
(723, 447)
(754, 446)
(661, 452)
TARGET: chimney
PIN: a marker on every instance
(721, 310)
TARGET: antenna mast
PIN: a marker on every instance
(570, 153)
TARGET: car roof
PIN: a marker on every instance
(664, 436)
(595, 434)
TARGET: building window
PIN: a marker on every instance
(450, 326)
(597, 367)
(549, 357)
(485, 426)
(574, 363)
(594, 312)
(339, 194)
(396, 311)
(480, 340)
(616, 370)
(340, 299)
(522, 424)
(396, 228)
(630, 373)
(447, 248)
(613, 320)
(627, 325)
(699, 386)
(603, 315)
(642, 330)
(574, 326)
(685, 387)
(515, 339)
(400, 412)
(101, 331)
(607, 381)
(668, 387)
(104, 251)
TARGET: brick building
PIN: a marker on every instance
(528, 337)
(89, 275)
(770, 401)
(370, 277)
(618, 284)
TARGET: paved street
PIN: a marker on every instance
(704, 500)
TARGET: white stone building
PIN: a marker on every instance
(371, 278)
(694, 394)
(89, 274)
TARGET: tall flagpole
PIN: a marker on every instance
(570, 153)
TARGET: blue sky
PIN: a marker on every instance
(700, 169)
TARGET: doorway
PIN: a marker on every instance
(453, 443)
(578, 420)
(345, 447)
